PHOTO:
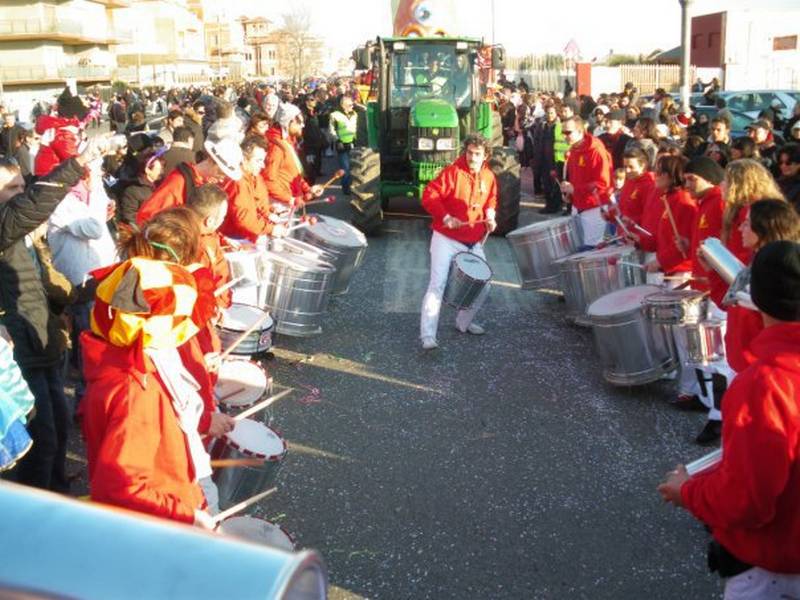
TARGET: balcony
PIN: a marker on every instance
(26, 75)
(67, 31)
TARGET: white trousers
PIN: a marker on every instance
(593, 225)
(443, 249)
(760, 584)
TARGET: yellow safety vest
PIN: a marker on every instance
(344, 126)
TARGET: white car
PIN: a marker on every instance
(752, 102)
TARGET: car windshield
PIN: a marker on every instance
(430, 71)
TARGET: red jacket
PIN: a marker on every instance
(213, 258)
(750, 501)
(742, 327)
(651, 219)
(684, 211)
(60, 140)
(171, 193)
(458, 192)
(283, 170)
(708, 224)
(634, 195)
(138, 455)
(248, 208)
(589, 172)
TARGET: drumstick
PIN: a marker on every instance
(241, 506)
(338, 175)
(224, 288)
(326, 200)
(244, 335)
(261, 405)
(673, 225)
(236, 462)
(232, 394)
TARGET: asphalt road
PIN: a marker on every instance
(496, 467)
(499, 466)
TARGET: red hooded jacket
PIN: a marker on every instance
(138, 455)
(458, 192)
(589, 172)
(248, 208)
(283, 170)
(634, 195)
(651, 219)
(750, 500)
(60, 140)
(171, 193)
(708, 224)
(668, 253)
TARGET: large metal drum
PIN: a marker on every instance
(537, 246)
(133, 556)
(297, 247)
(346, 243)
(469, 275)
(676, 307)
(632, 350)
(586, 276)
(258, 531)
(297, 293)
(249, 439)
(238, 318)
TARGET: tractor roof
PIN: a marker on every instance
(433, 39)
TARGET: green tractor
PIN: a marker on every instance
(427, 96)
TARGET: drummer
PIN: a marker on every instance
(142, 407)
(638, 187)
(462, 201)
(248, 214)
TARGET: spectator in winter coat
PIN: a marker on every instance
(749, 499)
(761, 133)
(171, 123)
(615, 138)
(149, 173)
(789, 181)
(9, 133)
(180, 151)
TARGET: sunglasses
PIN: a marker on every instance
(565, 133)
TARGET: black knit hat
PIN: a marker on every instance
(775, 280)
(70, 106)
(706, 168)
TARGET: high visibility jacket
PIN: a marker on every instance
(560, 145)
(343, 126)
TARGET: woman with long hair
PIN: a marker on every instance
(149, 171)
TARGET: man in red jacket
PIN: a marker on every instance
(588, 178)
(462, 201)
(750, 499)
(702, 177)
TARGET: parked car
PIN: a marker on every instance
(739, 121)
(752, 102)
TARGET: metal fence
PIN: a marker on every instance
(648, 78)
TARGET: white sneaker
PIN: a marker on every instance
(429, 343)
(473, 328)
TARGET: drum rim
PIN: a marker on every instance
(240, 359)
(272, 458)
(540, 226)
(278, 526)
(473, 255)
(269, 320)
(631, 309)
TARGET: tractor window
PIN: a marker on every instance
(430, 71)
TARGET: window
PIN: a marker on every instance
(787, 42)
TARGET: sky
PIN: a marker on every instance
(522, 27)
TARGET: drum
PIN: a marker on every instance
(258, 531)
(238, 318)
(676, 307)
(632, 350)
(297, 293)
(340, 239)
(249, 439)
(469, 275)
(249, 264)
(705, 342)
(537, 246)
(722, 260)
(241, 384)
(300, 248)
(586, 276)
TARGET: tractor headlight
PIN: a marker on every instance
(446, 144)
(424, 144)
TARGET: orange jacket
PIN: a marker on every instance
(708, 224)
(171, 193)
(634, 195)
(669, 255)
(458, 192)
(248, 208)
(589, 172)
(138, 455)
(283, 170)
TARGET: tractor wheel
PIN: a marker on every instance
(505, 166)
(365, 172)
(497, 130)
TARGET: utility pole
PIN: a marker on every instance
(492, 22)
(686, 51)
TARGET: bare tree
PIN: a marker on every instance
(301, 52)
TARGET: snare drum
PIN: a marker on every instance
(469, 275)
(676, 307)
(237, 319)
(705, 342)
(258, 531)
(241, 384)
(249, 439)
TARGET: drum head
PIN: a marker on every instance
(241, 383)
(253, 437)
(239, 317)
(540, 226)
(473, 266)
(621, 301)
(335, 232)
(259, 531)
